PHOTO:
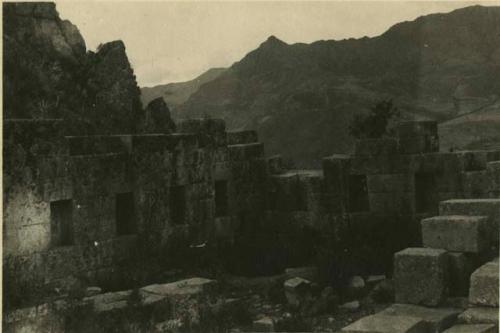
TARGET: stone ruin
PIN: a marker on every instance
(145, 225)
(116, 212)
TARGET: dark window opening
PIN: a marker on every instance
(221, 198)
(61, 222)
(425, 192)
(358, 194)
(300, 197)
(125, 214)
(272, 200)
(178, 204)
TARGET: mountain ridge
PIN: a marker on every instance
(301, 97)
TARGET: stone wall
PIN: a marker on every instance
(113, 210)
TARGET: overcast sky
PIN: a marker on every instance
(177, 41)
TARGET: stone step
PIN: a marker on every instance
(479, 315)
(483, 289)
(456, 233)
(437, 319)
(475, 328)
(379, 323)
(475, 207)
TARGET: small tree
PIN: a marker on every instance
(375, 124)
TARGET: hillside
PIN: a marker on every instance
(178, 92)
(301, 97)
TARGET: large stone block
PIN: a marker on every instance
(479, 315)
(387, 324)
(399, 182)
(399, 203)
(456, 233)
(437, 319)
(484, 285)
(418, 144)
(473, 160)
(476, 207)
(475, 328)
(275, 165)
(110, 301)
(476, 184)
(240, 137)
(376, 147)
(420, 276)
(246, 151)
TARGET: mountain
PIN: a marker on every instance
(302, 97)
(178, 92)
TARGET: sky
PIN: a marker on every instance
(170, 41)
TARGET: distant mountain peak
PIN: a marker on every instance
(273, 41)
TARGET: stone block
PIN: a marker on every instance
(484, 285)
(110, 301)
(480, 315)
(420, 276)
(401, 203)
(474, 328)
(296, 289)
(376, 147)
(387, 324)
(246, 151)
(350, 306)
(418, 144)
(476, 207)
(456, 233)
(224, 229)
(309, 273)
(240, 137)
(476, 183)
(473, 160)
(275, 165)
(92, 291)
(265, 324)
(399, 182)
(208, 131)
(437, 319)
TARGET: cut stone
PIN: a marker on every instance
(356, 283)
(194, 286)
(420, 276)
(295, 289)
(110, 301)
(308, 273)
(484, 285)
(482, 315)
(479, 328)
(350, 306)
(476, 207)
(456, 233)
(265, 324)
(387, 324)
(374, 279)
(437, 319)
(92, 291)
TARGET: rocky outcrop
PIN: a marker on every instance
(158, 117)
(49, 74)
